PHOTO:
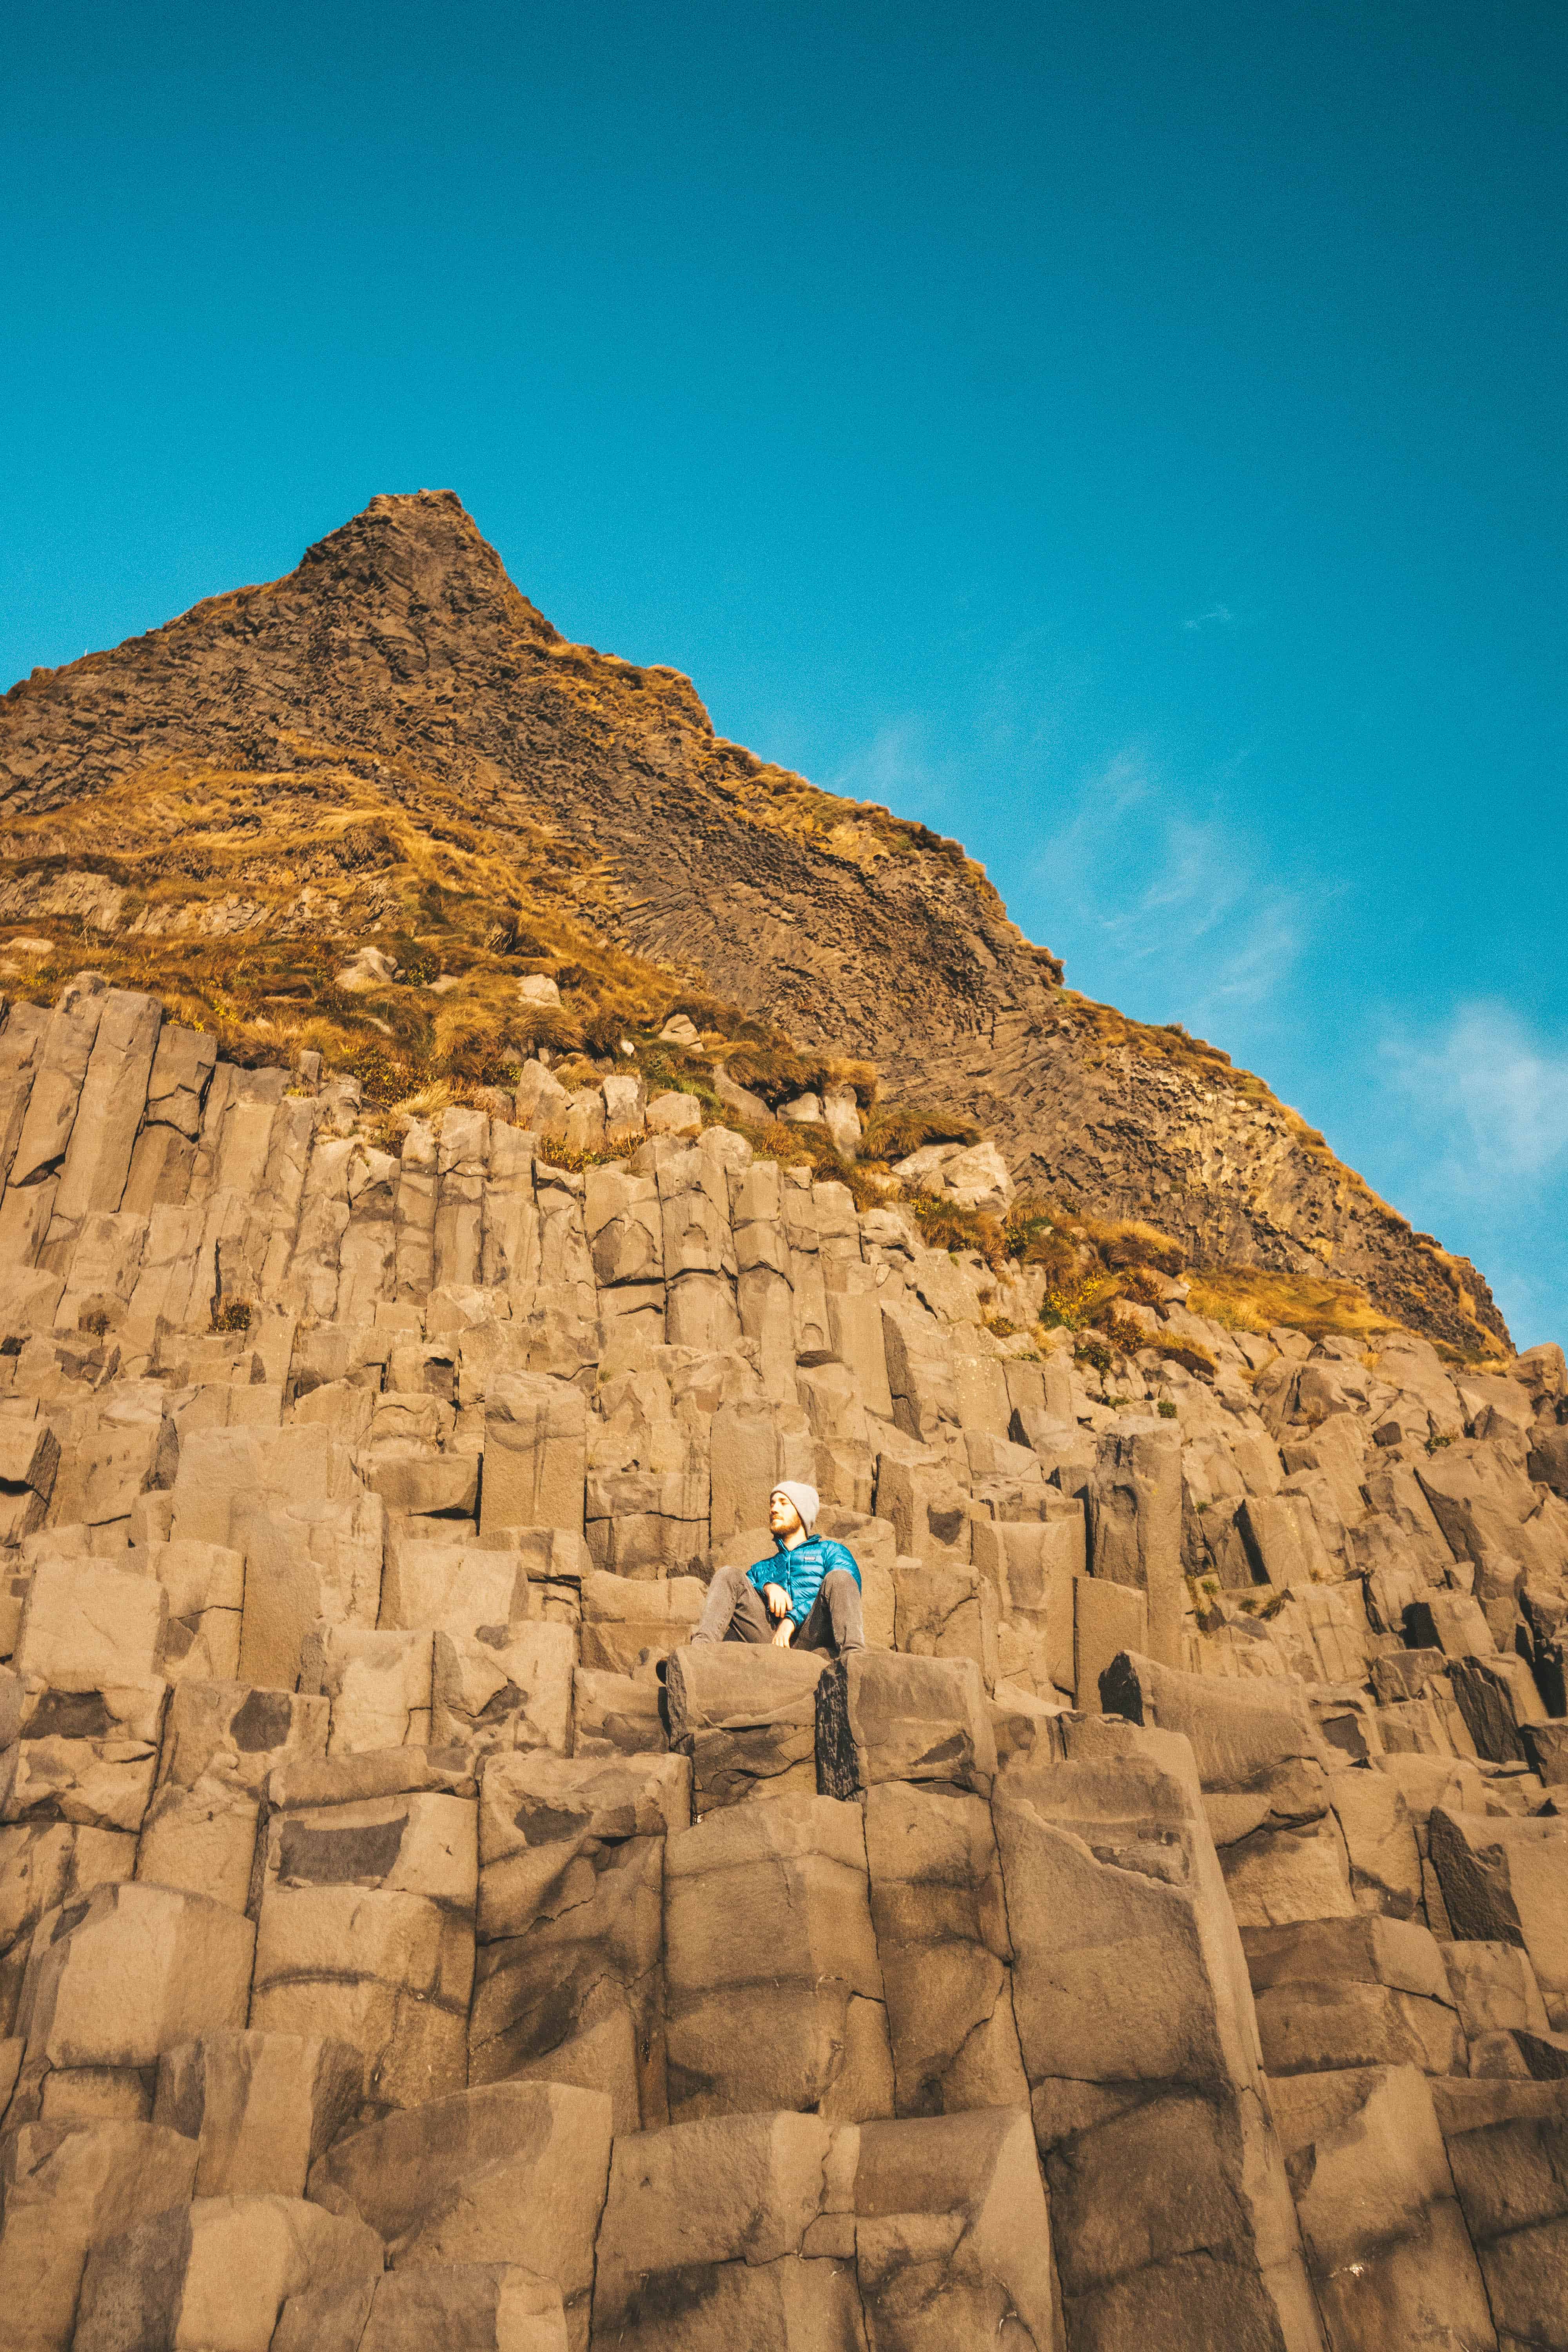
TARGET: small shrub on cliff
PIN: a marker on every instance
(1029, 1230)
(665, 1069)
(1069, 1304)
(1121, 1331)
(569, 1156)
(383, 1081)
(483, 1058)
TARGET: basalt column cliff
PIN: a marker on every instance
(438, 1201)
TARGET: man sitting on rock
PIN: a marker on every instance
(806, 1597)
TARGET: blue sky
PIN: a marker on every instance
(1128, 437)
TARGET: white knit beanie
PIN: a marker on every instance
(806, 1499)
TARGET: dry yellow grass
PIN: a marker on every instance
(1249, 1298)
(1253, 1298)
(236, 897)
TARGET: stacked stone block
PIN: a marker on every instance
(1157, 1936)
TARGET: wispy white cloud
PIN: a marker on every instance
(1154, 883)
(1154, 888)
(1490, 1094)
(1217, 616)
(894, 767)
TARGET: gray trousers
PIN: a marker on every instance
(736, 1612)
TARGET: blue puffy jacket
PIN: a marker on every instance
(801, 1572)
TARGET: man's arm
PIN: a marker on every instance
(801, 1604)
(776, 1601)
(840, 1554)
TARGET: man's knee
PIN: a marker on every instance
(841, 1595)
(719, 1607)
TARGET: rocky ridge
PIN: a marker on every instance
(1157, 1936)
(390, 747)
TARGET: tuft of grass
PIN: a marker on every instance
(576, 1073)
(428, 1101)
(1053, 1233)
(944, 1225)
(895, 1129)
(778, 1073)
(1128, 1243)
(571, 1156)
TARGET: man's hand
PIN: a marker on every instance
(776, 1599)
(784, 1635)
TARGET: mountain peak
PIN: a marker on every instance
(391, 744)
(422, 550)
